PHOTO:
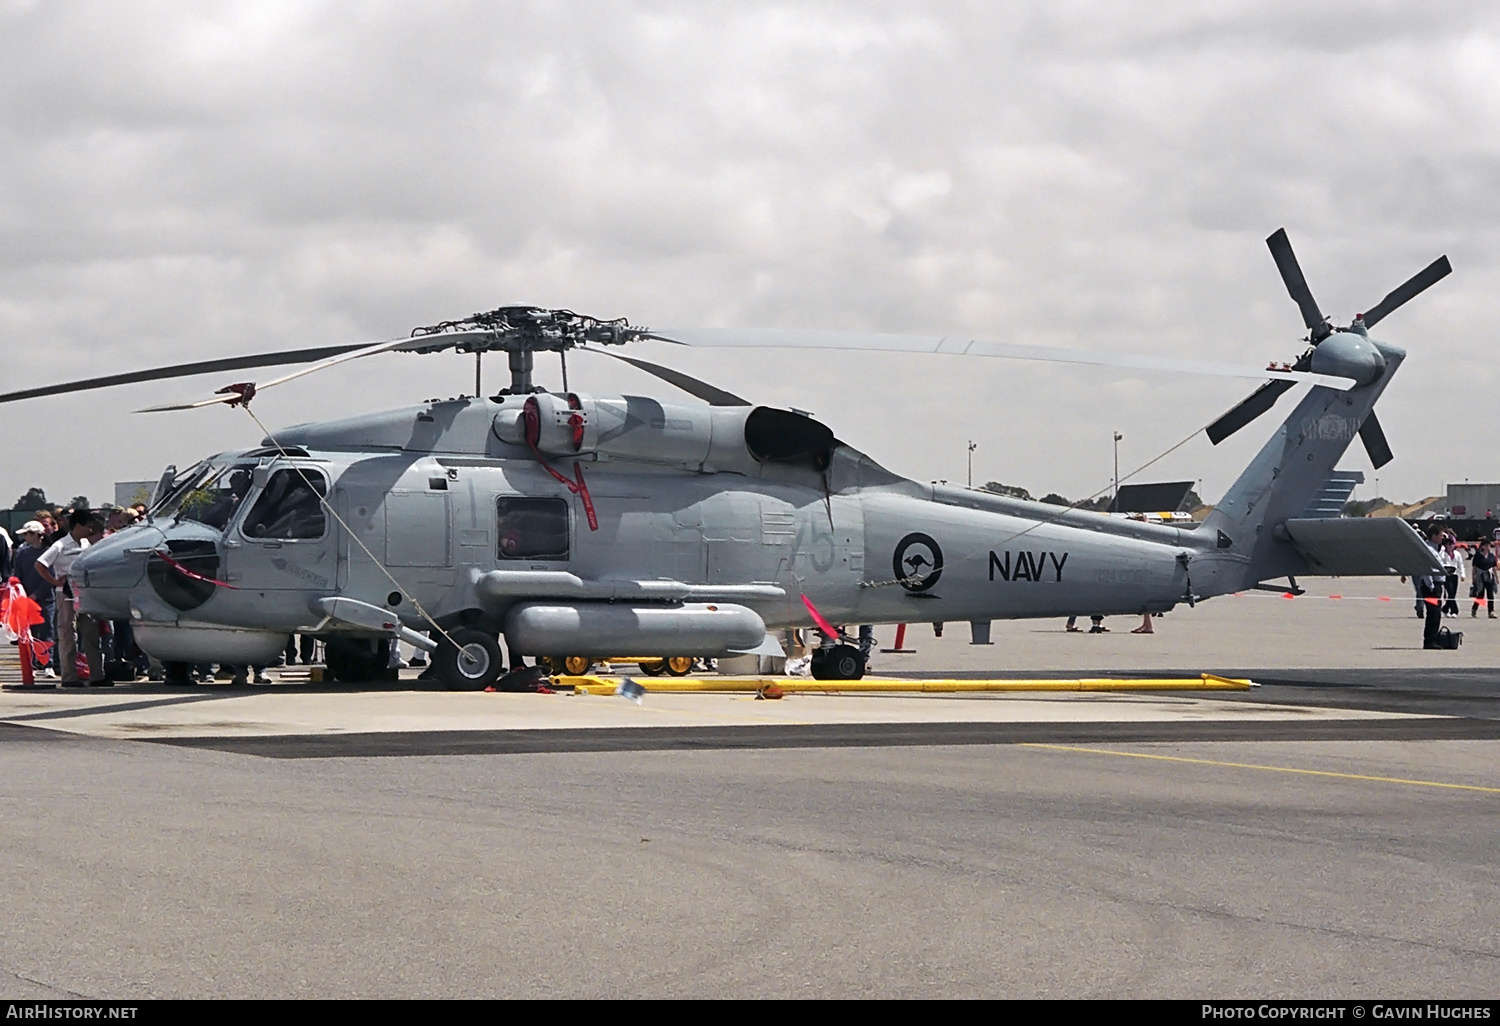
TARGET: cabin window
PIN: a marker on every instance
(290, 507)
(532, 528)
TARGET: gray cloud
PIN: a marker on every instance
(182, 181)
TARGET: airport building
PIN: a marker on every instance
(1472, 501)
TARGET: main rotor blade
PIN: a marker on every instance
(1296, 284)
(1258, 402)
(710, 394)
(1373, 436)
(1416, 284)
(799, 339)
(280, 358)
(184, 370)
(427, 343)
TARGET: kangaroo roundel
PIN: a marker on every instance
(918, 562)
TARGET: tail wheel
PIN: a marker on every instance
(653, 669)
(470, 661)
(577, 666)
(679, 666)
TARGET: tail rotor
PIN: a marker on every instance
(1343, 351)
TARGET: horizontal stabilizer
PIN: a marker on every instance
(1362, 547)
(1329, 503)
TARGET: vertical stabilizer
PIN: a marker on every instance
(1243, 541)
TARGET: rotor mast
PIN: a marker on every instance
(522, 331)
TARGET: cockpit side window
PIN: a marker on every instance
(290, 508)
(215, 499)
(532, 528)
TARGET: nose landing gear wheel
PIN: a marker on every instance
(841, 662)
(470, 662)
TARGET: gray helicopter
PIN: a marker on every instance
(599, 525)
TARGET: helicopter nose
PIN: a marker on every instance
(106, 572)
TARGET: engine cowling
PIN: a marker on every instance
(629, 427)
(634, 427)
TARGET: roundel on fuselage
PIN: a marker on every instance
(917, 562)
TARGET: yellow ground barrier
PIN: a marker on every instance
(792, 685)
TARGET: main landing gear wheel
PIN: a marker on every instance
(471, 661)
(678, 666)
(355, 660)
(841, 662)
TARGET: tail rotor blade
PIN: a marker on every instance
(1415, 285)
(1373, 436)
(1258, 402)
(1296, 284)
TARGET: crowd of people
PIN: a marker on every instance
(1437, 595)
(41, 558)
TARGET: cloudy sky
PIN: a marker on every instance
(184, 181)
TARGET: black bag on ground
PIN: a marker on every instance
(119, 671)
(1449, 639)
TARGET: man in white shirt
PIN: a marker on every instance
(54, 566)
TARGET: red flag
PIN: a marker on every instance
(18, 611)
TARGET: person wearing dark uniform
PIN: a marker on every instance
(1483, 588)
(1430, 594)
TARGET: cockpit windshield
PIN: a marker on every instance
(182, 482)
(210, 496)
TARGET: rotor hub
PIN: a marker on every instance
(524, 330)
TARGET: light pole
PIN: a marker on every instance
(1116, 495)
(972, 446)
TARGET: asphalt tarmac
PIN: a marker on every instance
(1330, 834)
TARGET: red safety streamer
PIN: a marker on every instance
(823, 625)
(582, 491)
(531, 414)
(189, 573)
